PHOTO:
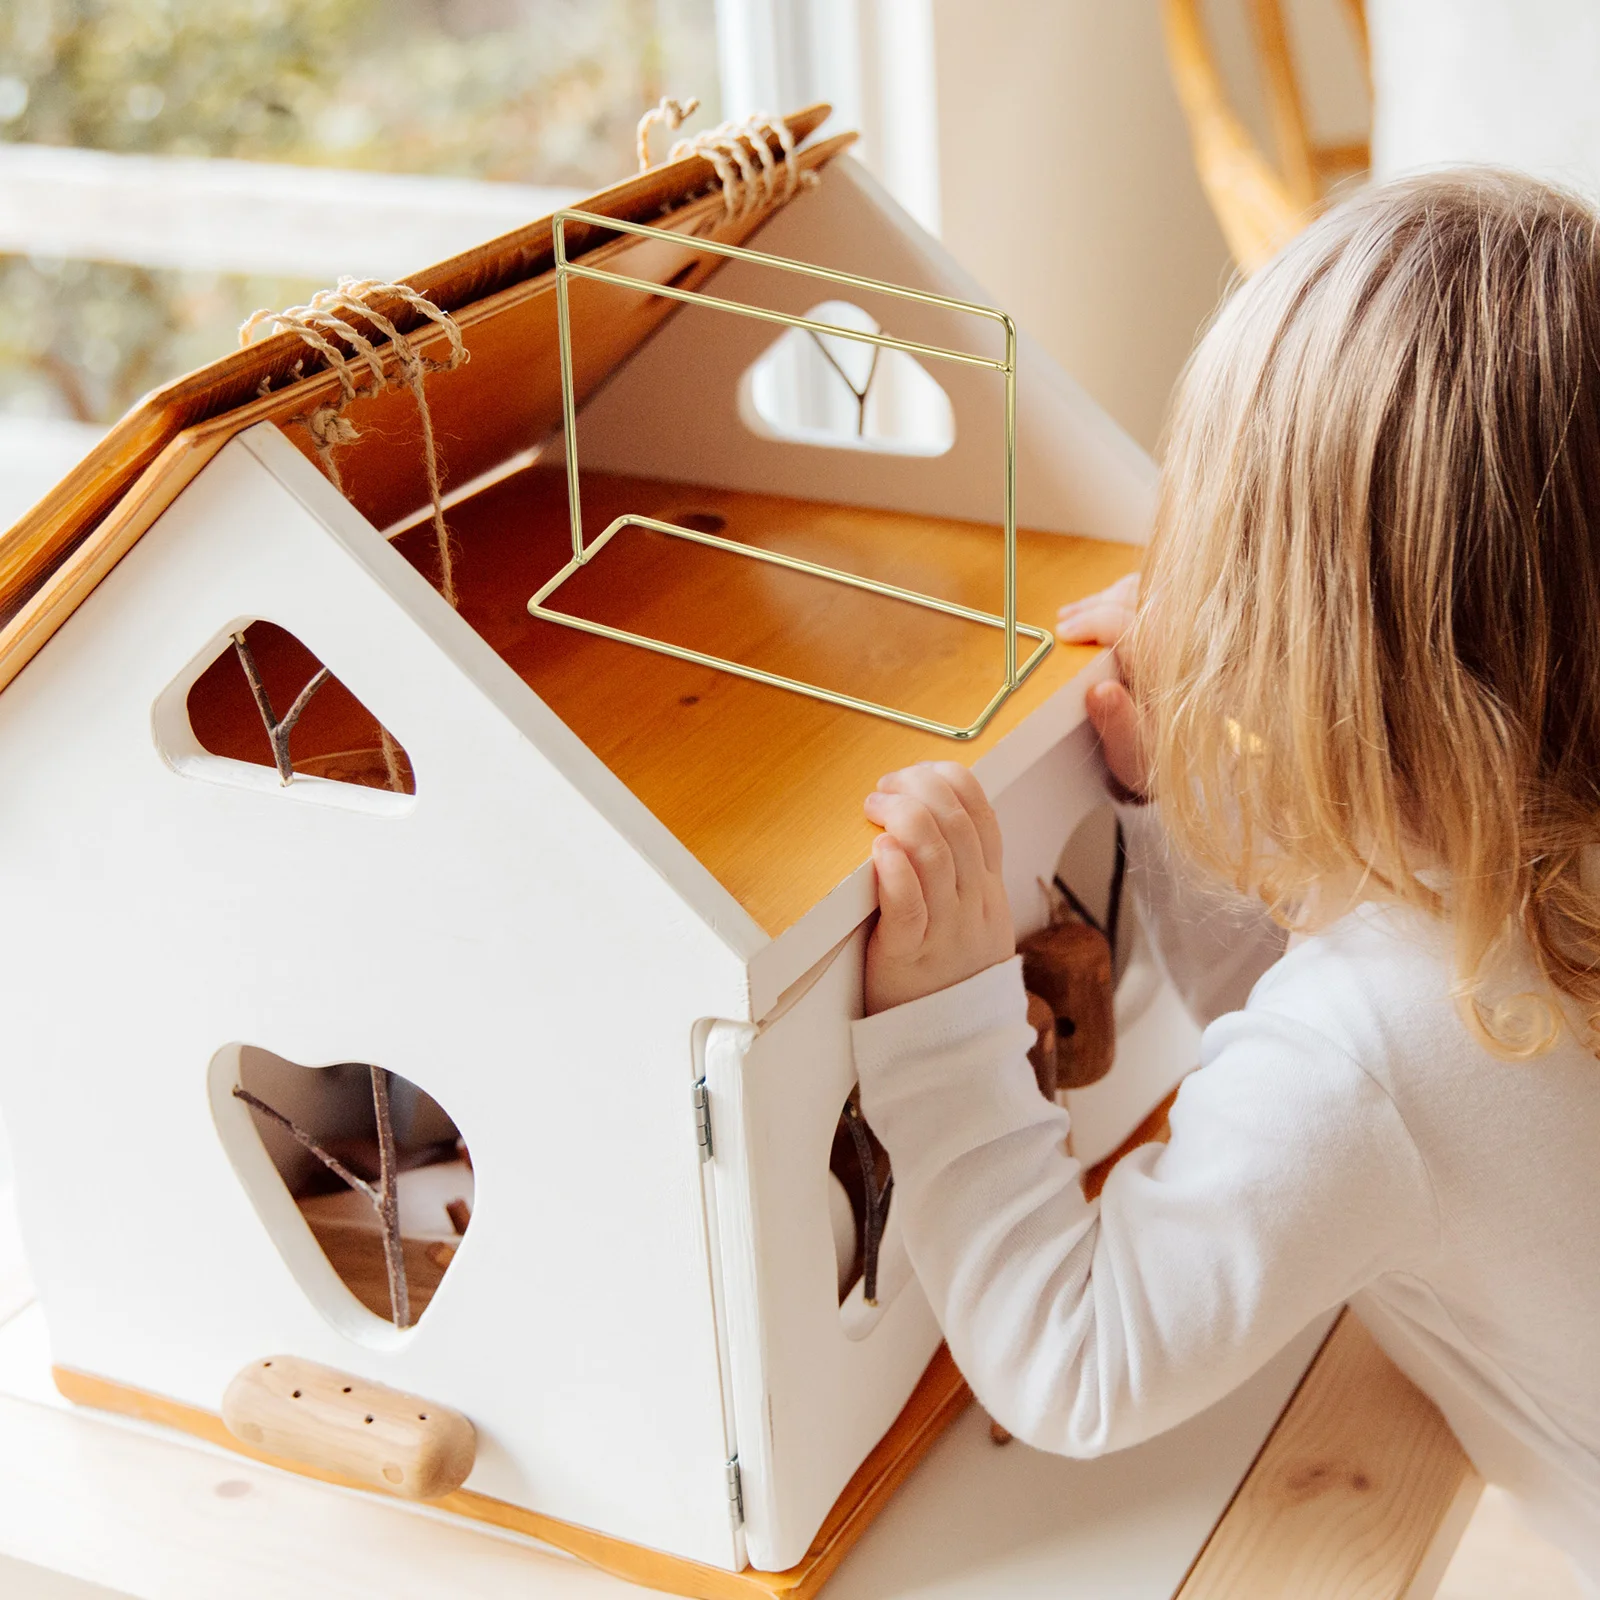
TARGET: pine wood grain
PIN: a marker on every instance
(939, 1398)
(356, 1254)
(1360, 1492)
(762, 785)
(782, 825)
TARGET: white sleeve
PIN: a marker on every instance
(1213, 945)
(1290, 1182)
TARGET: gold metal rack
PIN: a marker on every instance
(583, 553)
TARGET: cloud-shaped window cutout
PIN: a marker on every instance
(825, 389)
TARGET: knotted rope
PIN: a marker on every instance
(740, 153)
(671, 114)
(326, 318)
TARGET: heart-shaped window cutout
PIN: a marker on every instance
(373, 1168)
(829, 389)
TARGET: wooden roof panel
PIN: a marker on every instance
(38, 542)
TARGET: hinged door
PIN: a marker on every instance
(815, 1384)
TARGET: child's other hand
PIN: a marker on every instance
(943, 915)
(1104, 619)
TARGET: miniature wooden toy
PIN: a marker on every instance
(344, 1425)
(1067, 966)
(451, 1007)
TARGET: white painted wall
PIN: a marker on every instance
(310, 921)
(1067, 186)
(1509, 82)
(1042, 140)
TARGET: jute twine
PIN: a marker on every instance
(327, 318)
(739, 152)
(668, 113)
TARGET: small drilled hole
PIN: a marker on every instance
(295, 1395)
(345, 1390)
(701, 521)
(422, 1416)
(366, 1419)
(266, 1363)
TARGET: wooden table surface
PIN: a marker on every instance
(1339, 1482)
(160, 1516)
(163, 1518)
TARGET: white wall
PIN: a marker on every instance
(1508, 82)
(1067, 184)
(1067, 189)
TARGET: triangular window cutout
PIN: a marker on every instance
(828, 390)
(267, 700)
(377, 1170)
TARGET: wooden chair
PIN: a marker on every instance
(1261, 203)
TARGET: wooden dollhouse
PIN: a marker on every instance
(591, 917)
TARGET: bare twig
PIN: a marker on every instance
(860, 394)
(292, 715)
(391, 760)
(299, 1134)
(383, 1196)
(388, 1203)
(278, 729)
(877, 1200)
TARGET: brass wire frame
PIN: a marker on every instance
(582, 554)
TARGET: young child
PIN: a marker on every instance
(1365, 690)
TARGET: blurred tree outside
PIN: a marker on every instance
(533, 91)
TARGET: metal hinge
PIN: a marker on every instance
(735, 1492)
(702, 1118)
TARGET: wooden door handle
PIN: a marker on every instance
(336, 1422)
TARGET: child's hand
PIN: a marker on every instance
(1104, 619)
(943, 915)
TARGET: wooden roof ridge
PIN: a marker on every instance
(45, 535)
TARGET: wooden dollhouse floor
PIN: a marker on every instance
(762, 785)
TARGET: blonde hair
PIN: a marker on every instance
(1368, 639)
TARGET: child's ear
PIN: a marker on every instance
(1115, 718)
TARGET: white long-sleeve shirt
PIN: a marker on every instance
(1346, 1138)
